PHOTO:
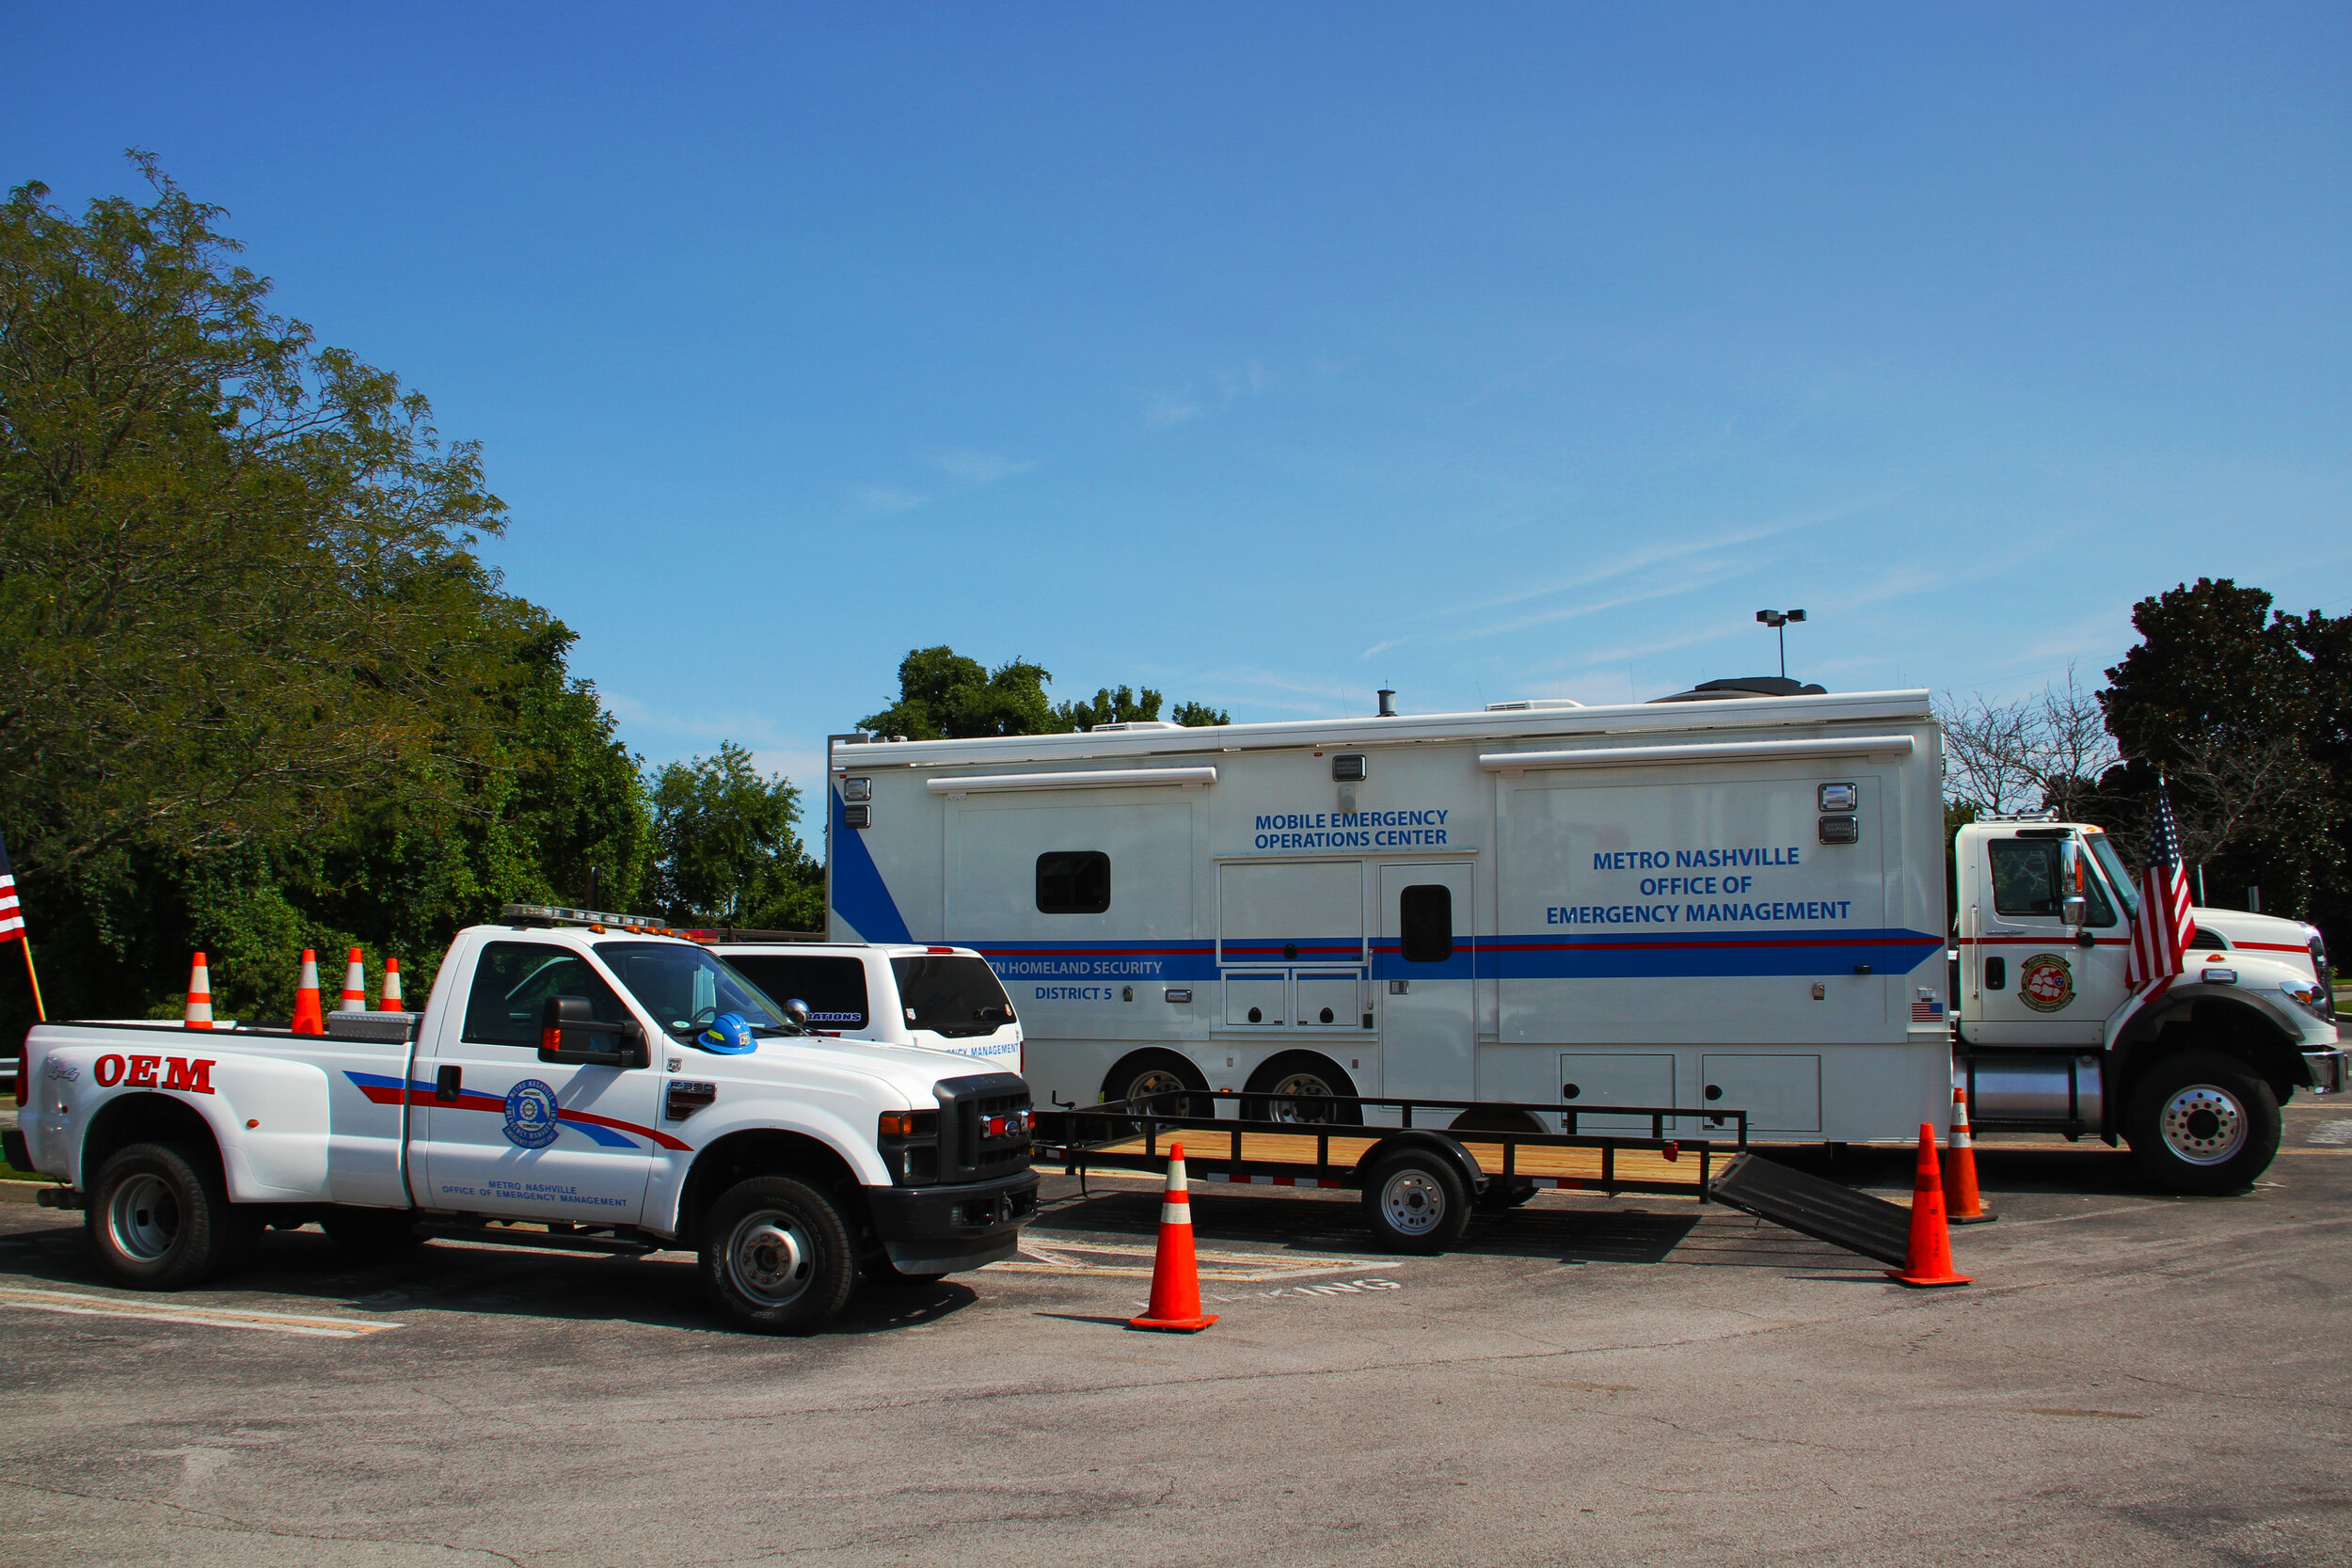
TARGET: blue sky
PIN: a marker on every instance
(1268, 355)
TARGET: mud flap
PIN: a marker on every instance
(1812, 1207)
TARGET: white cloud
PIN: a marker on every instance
(979, 469)
(1163, 409)
(886, 498)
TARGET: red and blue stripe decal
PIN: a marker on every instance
(606, 1130)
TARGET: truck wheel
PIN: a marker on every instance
(1158, 1072)
(159, 1220)
(2203, 1123)
(1415, 1202)
(371, 1233)
(776, 1257)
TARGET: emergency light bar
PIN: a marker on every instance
(549, 915)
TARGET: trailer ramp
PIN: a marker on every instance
(1813, 1207)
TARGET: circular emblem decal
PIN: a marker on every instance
(530, 1115)
(2045, 982)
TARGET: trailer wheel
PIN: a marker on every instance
(2203, 1123)
(371, 1233)
(1415, 1202)
(776, 1257)
(159, 1219)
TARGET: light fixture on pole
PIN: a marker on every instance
(1778, 620)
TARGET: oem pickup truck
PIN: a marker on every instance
(577, 1082)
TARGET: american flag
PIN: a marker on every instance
(2161, 929)
(11, 918)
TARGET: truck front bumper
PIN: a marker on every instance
(2326, 1071)
(941, 1229)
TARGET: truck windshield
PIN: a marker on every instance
(2103, 851)
(685, 988)
(950, 995)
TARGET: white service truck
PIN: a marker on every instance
(1732, 897)
(941, 998)
(577, 1080)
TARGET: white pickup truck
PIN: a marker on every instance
(576, 1082)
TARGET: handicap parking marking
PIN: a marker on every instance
(77, 1303)
(1112, 1260)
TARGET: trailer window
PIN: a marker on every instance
(834, 988)
(513, 980)
(1073, 881)
(951, 995)
(1425, 918)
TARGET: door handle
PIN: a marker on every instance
(1400, 988)
(445, 1084)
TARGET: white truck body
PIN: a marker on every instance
(1637, 905)
(460, 1116)
(1735, 901)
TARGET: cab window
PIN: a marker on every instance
(2026, 876)
(512, 982)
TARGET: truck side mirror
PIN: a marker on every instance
(2076, 910)
(570, 1033)
(797, 1010)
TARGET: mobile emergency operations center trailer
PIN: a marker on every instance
(1733, 900)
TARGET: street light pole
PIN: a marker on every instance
(1778, 620)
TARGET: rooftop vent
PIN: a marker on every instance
(1135, 725)
(1745, 685)
(1531, 704)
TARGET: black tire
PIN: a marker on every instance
(1301, 1072)
(373, 1233)
(160, 1220)
(1159, 1072)
(1415, 1202)
(2202, 1123)
(776, 1255)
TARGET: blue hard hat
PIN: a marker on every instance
(729, 1035)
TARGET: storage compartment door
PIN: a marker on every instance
(1260, 998)
(1781, 1094)
(1625, 1078)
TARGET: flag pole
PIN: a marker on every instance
(34, 975)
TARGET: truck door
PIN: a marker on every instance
(2030, 980)
(503, 1132)
(1422, 978)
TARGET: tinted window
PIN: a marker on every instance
(951, 995)
(1425, 921)
(513, 980)
(1073, 881)
(835, 988)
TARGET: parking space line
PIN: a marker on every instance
(1121, 1261)
(77, 1305)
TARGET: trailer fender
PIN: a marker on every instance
(1417, 1138)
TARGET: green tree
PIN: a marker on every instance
(725, 852)
(257, 690)
(943, 695)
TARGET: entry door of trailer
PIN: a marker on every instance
(1422, 976)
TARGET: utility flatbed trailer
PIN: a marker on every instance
(1420, 1183)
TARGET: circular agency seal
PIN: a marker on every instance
(531, 1120)
(2045, 982)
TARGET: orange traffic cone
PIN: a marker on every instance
(199, 1009)
(1175, 1276)
(354, 986)
(1962, 1205)
(308, 1018)
(391, 1003)
(1930, 1252)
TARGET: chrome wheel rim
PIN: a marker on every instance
(1413, 1203)
(1281, 1109)
(1157, 1081)
(2203, 1125)
(772, 1257)
(144, 1217)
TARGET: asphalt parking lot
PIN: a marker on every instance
(2133, 1379)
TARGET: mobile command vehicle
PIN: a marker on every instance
(1732, 898)
(941, 998)
(576, 1081)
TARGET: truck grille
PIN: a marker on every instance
(983, 1126)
